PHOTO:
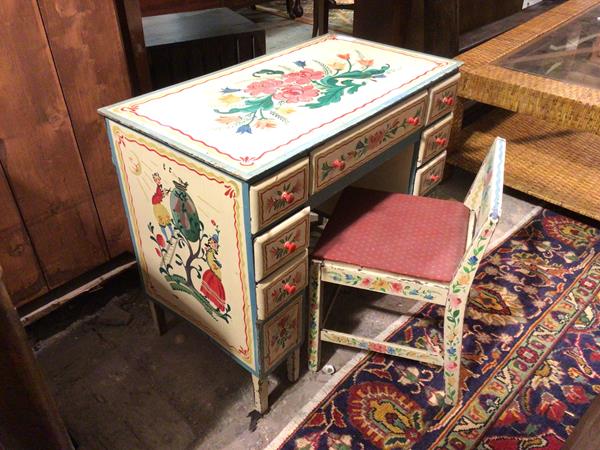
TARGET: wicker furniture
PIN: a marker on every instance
(547, 73)
(413, 247)
(488, 78)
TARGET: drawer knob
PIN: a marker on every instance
(413, 121)
(338, 164)
(287, 197)
(448, 100)
(441, 141)
(290, 246)
(433, 178)
(289, 288)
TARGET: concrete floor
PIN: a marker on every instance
(121, 386)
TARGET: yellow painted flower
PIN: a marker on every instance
(228, 119)
(337, 65)
(379, 284)
(229, 99)
(265, 123)
(286, 110)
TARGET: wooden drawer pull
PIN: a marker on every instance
(287, 197)
(448, 101)
(339, 164)
(289, 288)
(434, 178)
(441, 141)
(414, 121)
(290, 246)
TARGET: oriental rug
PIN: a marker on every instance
(531, 359)
(339, 19)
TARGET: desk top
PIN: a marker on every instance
(250, 118)
(548, 67)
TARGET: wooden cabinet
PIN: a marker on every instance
(61, 212)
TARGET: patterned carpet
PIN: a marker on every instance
(339, 20)
(531, 359)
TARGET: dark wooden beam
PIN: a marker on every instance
(29, 417)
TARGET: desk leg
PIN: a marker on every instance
(261, 394)
(293, 365)
(158, 317)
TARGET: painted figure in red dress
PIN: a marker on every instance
(160, 211)
(212, 288)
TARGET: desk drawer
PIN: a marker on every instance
(280, 194)
(356, 147)
(435, 140)
(429, 175)
(281, 244)
(282, 333)
(442, 98)
(278, 288)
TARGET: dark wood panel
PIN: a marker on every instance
(441, 27)
(156, 7)
(23, 276)
(40, 157)
(87, 31)
(476, 13)
(132, 30)
(394, 22)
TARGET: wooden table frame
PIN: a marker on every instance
(566, 104)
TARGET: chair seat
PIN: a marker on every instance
(418, 237)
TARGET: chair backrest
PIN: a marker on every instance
(485, 194)
(485, 199)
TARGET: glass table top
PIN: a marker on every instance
(569, 53)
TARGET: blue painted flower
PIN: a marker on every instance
(244, 129)
(229, 90)
(452, 351)
(472, 260)
(300, 63)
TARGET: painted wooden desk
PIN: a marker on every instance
(218, 176)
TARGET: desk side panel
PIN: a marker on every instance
(187, 224)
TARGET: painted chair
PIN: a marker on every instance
(413, 247)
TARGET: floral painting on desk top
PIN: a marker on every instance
(249, 116)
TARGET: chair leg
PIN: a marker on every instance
(453, 335)
(314, 317)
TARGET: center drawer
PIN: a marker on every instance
(354, 148)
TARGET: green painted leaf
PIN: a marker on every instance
(267, 72)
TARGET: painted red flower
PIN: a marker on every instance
(345, 56)
(575, 394)
(376, 138)
(304, 76)
(396, 287)
(157, 251)
(263, 87)
(161, 240)
(377, 348)
(295, 93)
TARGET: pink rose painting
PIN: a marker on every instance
(261, 103)
(295, 93)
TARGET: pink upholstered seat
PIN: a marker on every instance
(415, 236)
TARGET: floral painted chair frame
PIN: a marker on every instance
(484, 201)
